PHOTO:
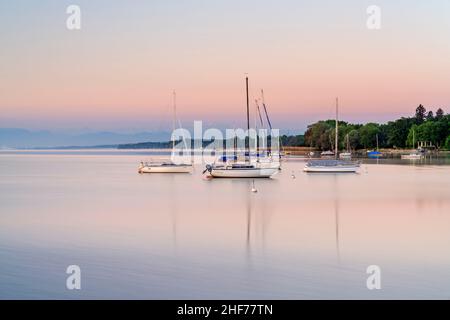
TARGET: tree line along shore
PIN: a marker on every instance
(426, 127)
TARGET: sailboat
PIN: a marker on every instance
(166, 166)
(327, 154)
(332, 165)
(376, 153)
(265, 157)
(413, 155)
(347, 154)
(246, 169)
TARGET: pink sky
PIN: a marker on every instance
(125, 61)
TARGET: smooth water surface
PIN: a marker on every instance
(183, 236)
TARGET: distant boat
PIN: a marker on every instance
(374, 154)
(347, 154)
(332, 165)
(413, 155)
(247, 169)
(327, 153)
(166, 166)
(240, 170)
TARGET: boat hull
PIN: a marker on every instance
(412, 157)
(331, 166)
(331, 169)
(244, 173)
(166, 169)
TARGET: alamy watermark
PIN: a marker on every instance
(73, 21)
(204, 146)
(374, 19)
(73, 281)
(374, 280)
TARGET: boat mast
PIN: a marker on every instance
(174, 116)
(263, 146)
(256, 129)
(348, 144)
(247, 141)
(265, 109)
(336, 132)
(268, 122)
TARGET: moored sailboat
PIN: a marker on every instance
(416, 155)
(331, 166)
(375, 153)
(335, 165)
(347, 154)
(247, 169)
(167, 166)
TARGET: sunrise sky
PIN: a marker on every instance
(118, 71)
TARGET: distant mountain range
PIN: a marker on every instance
(27, 139)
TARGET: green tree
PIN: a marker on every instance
(420, 114)
(368, 134)
(447, 143)
(397, 132)
(439, 114)
(293, 141)
(353, 138)
(435, 132)
(318, 134)
(414, 135)
(430, 116)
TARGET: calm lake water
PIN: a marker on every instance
(182, 236)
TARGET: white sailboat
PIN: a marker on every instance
(332, 165)
(265, 156)
(247, 169)
(327, 154)
(240, 170)
(166, 166)
(413, 155)
(347, 154)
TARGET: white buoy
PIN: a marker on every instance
(293, 175)
(253, 187)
